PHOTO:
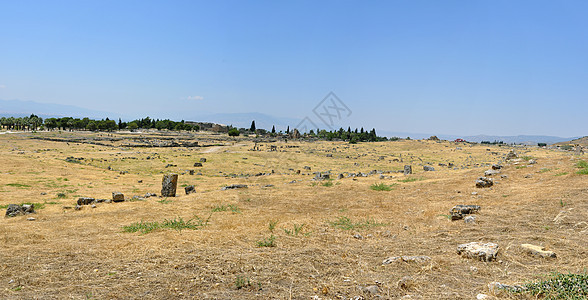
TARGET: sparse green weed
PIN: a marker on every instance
(382, 187)
(347, 224)
(267, 242)
(410, 179)
(558, 286)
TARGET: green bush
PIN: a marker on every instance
(234, 132)
(558, 286)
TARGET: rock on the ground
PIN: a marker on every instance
(428, 168)
(497, 288)
(407, 169)
(202, 159)
(416, 259)
(190, 189)
(459, 211)
(491, 172)
(197, 164)
(118, 197)
(511, 155)
(478, 250)
(484, 182)
(470, 220)
(234, 186)
(169, 184)
(538, 251)
(14, 210)
(85, 200)
(496, 167)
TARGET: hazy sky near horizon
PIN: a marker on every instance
(445, 67)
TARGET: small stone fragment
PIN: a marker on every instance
(234, 186)
(478, 250)
(538, 251)
(470, 220)
(85, 200)
(415, 259)
(78, 207)
(484, 182)
(118, 197)
(190, 189)
(31, 219)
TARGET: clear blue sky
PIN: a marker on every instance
(446, 67)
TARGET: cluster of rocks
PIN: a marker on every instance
(458, 212)
(14, 210)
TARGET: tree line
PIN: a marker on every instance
(34, 122)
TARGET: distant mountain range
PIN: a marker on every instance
(18, 108)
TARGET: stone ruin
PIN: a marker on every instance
(169, 184)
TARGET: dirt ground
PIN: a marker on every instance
(85, 254)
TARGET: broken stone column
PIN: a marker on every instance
(407, 170)
(169, 185)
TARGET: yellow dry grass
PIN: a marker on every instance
(67, 254)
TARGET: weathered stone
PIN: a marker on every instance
(484, 182)
(428, 168)
(202, 159)
(191, 172)
(118, 197)
(147, 195)
(31, 219)
(511, 155)
(295, 134)
(470, 220)
(341, 176)
(372, 289)
(532, 161)
(538, 251)
(169, 184)
(307, 168)
(415, 259)
(78, 207)
(491, 172)
(14, 210)
(407, 169)
(197, 164)
(329, 155)
(496, 167)
(234, 186)
(405, 282)
(190, 189)
(497, 288)
(459, 211)
(478, 250)
(85, 200)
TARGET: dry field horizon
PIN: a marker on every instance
(329, 237)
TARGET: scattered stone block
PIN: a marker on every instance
(484, 182)
(14, 210)
(470, 220)
(478, 250)
(202, 159)
(538, 251)
(197, 164)
(415, 259)
(458, 212)
(491, 172)
(407, 170)
(85, 200)
(169, 184)
(428, 168)
(118, 197)
(511, 155)
(234, 186)
(191, 172)
(190, 189)
(496, 167)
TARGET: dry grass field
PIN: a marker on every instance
(285, 236)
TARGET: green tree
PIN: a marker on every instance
(252, 126)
